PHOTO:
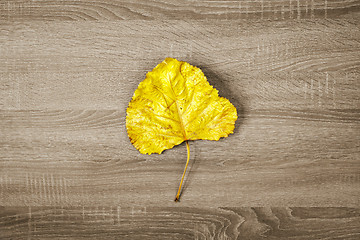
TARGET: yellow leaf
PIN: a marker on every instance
(176, 103)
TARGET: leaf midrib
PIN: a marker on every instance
(177, 107)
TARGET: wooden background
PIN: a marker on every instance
(291, 170)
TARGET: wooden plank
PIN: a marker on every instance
(22, 10)
(112, 90)
(323, 45)
(275, 158)
(85, 65)
(85, 222)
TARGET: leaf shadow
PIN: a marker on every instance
(226, 87)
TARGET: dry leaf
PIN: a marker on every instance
(176, 103)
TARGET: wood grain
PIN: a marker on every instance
(174, 9)
(311, 64)
(291, 170)
(71, 155)
(179, 223)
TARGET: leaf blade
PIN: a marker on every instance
(195, 112)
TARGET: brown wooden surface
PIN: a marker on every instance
(115, 222)
(291, 170)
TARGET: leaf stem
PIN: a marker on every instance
(177, 198)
